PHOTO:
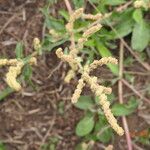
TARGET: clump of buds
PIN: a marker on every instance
(142, 3)
(12, 74)
(14, 70)
(109, 147)
(74, 62)
(36, 43)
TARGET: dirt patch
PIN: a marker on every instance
(35, 115)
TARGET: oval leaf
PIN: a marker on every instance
(124, 109)
(85, 125)
(114, 2)
(27, 72)
(140, 36)
(6, 92)
(123, 29)
(84, 102)
(2, 146)
(103, 132)
(138, 16)
(19, 50)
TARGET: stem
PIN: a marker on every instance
(144, 64)
(68, 5)
(120, 92)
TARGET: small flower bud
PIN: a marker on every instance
(92, 30)
(37, 44)
(12, 74)
(92, 17)
(78, 91)
(69, 76)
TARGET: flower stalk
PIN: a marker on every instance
(77, 67)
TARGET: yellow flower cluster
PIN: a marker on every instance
(12, 74)
(74, 61)
(74, 16)
(68, 58)
(99, 91)
(92, 17)
(69, 76)
(86, 35)
(14, 70)
(4, 62)
(78, 91)
(91, 30)
(103, 61)
(111, 119)
(54, 33)
(109, 147)
(36, 44)
(141, 3)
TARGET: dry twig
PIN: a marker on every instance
(135, 91)
(120, 92)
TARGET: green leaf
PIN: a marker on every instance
(61, 107)
(117, 18)
(122, 23)
(130, 77)
(48, 43)
(123, 29)
(51, 2)
(19, 50)
(124, 109)
(128, 61)
(64, 14)
(79, 146)
(7, 91)
(90, 43)
(53, 23)
(145, 140)
(85, 125)
(102, 130)
(27, 72)
(51, 144)
(78, 3)
(2, 147)
(106, 135)
(84, 102)
(138, 15)
(84, 146)
(140, 36)
(120, 110)
(104, 52)
(110, 98)
(114, 2)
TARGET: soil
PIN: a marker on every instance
(35, 116)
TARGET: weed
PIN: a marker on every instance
(89, 35)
